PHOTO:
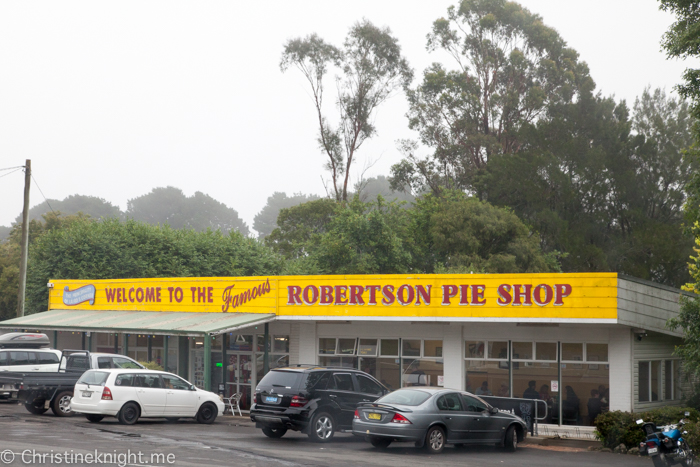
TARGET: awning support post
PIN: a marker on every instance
(266, 358)
(224, 359)
(165, 351)
(116, 343)
(207, 362)
(55, 339)
(89, 342)
(125, 344)
(149, 348)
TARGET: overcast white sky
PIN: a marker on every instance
(112, 99)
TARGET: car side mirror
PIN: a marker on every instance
(493, 410)
(193, 387)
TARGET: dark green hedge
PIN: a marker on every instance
(614, 428)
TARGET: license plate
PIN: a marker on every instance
(87, 394)
(653, 450)
(374, 416)
(270, 399)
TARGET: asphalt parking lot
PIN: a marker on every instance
(28, 439)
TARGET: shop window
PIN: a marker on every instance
(432, 348)
(367, 348)
(522, 350)
(474, 349)
(498, 350)
(643, 388)
(546, 351)
(596, 352)
(346, 346)
(390, 347)
(422, 372)
(668, 380)
(655, 380)
(338, 361)
(410, 347)
(240, 343)
(487, 378)
(326, 346)
(280, 344)
(572, 352)
(585, 393)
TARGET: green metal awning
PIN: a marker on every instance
(143, 322)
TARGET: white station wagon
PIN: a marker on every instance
(130, 394)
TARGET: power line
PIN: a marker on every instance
(42, 194)
(17, 169)
(10, 168)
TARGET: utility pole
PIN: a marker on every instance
(25, 240)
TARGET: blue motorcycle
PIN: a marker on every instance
(666, 445)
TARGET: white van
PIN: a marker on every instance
(24, 360)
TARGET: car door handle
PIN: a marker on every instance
(448, 418)
(332, 395)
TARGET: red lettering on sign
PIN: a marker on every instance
(293, 292)
(158, 294)
(537, 294)
(340, 295)
(373, 289)
(478, 295)
(356, 295)
(421, 292)
(150, 294)
(525, 293)
(561, 291)
(310, 294)
(504, 297)
(464, 294)
(388, 293)
(110, 295)
(139, 295)
(448, 291)
(405, 294)
(326, 295)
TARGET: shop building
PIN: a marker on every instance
(583, 342)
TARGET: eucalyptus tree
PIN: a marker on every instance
(370, 69)
(510, 69)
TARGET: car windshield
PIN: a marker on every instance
(404, 397)
(280, 379)
(94, 377)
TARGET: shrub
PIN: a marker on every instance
(614, 428)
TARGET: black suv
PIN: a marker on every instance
(315, 400)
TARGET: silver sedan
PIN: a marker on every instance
(433, 417)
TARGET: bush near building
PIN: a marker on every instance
(615, 428)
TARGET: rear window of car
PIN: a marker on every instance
(3, 358)
(78, 362)
(281, 379)
(404, 397)
(94, 377)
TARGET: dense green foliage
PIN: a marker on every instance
(266, 220)
(111, 249)
(614, 428)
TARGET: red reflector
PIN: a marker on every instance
(357, 415)
(298, 401)
(651, 444)
(398, 418)
(106, 395)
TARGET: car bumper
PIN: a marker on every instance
(268, 419)
(394, 431)
(101, 408)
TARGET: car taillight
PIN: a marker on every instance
(398, 418)
(651, 444)
(357, 415)
(106, 394)
(298, 401)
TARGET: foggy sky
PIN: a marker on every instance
(112, 99)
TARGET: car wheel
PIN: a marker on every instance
(381, 443)
(61, 404)
(511, 440)
(207, 413)
(322, 428)
(274, 432)
(435, 440)
(37, 408)
(129, 414)
(94, 418)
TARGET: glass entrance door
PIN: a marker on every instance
(239, 377)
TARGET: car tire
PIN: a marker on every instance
(380, 443)
(207, 413)
(322, 427)
(37, 408)
(60, 405)
(94, 418)
(274, 432)
(129, 413)
(510, 442)
(435, 440)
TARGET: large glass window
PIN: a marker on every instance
(658, 380)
